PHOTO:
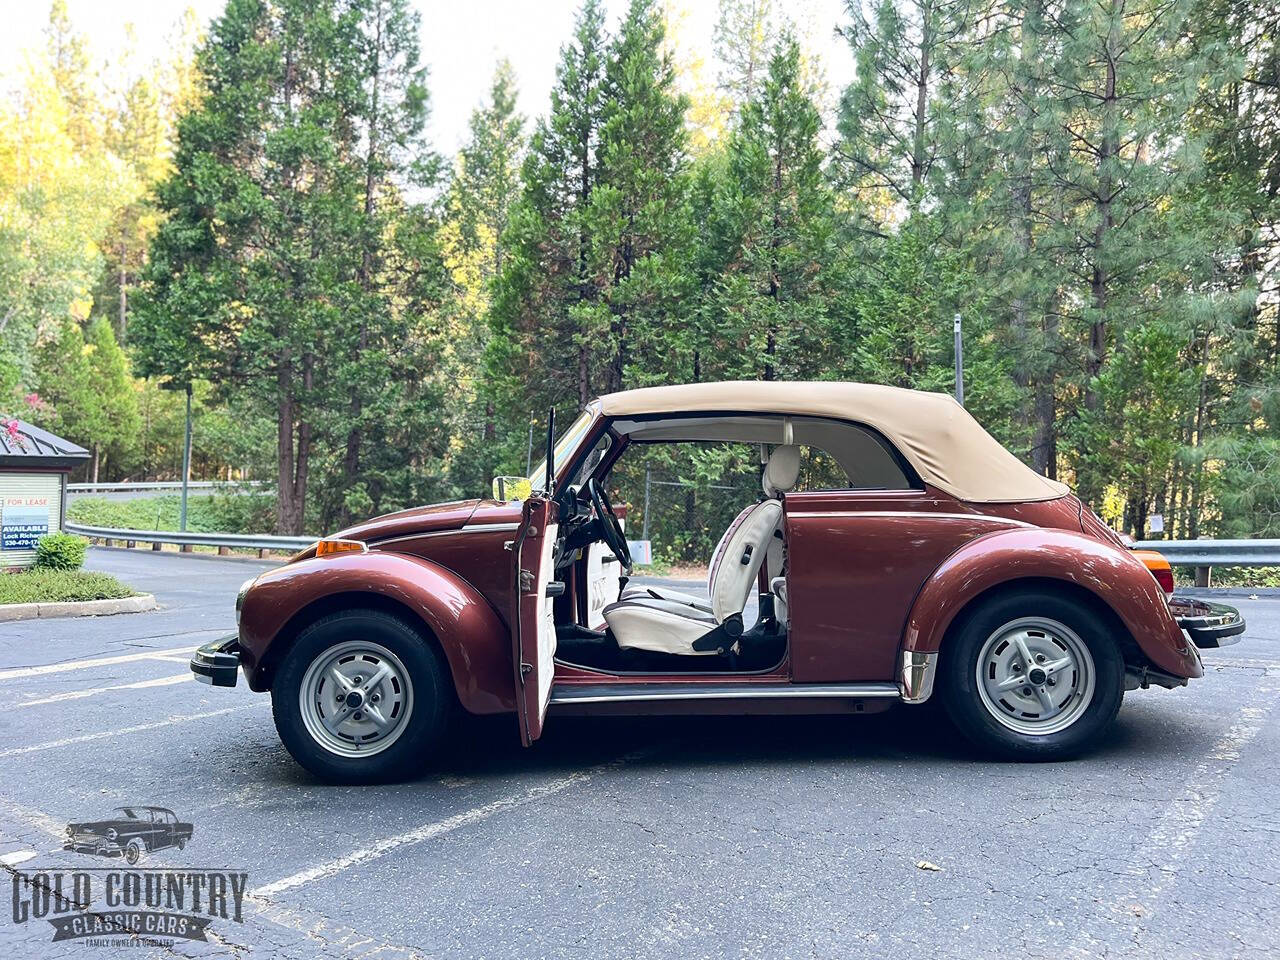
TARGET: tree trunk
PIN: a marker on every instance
(124, 298)
(922, 96)
(775, 281)
(1098, 286)
(364, 275)
(286, 510)
(1023, 211)
(95, 463)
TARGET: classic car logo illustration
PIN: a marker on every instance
(126, 904)
(130, 832)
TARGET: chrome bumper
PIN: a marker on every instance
(218, 663)
(1208, 624)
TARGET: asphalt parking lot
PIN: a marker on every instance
(725, 837)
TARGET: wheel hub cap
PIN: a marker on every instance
(1035, 676)
(356, 698)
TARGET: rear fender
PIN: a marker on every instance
(474, 639)
(1114, 576)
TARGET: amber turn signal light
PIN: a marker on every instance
(325, 548)
(1159, 567)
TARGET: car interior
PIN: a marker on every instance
(741, 625)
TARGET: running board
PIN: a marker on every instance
(565, 694)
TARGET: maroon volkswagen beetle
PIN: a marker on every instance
(894, 552)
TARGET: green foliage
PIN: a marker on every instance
(60, 551)
(289, 265)
(60, 586)
(217, 513)
(1092, 184)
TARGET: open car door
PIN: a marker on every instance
(533, 629)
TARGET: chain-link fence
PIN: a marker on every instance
(682, 497)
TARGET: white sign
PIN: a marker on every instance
(23, 521)
(641, 551)
(1155, 523)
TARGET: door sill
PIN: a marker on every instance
(566, 694)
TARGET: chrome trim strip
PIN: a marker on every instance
(817, 514)
(918, 670)
(472, 528)
(635, 693)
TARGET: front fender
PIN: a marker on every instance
(1114, 576)
(474, 639)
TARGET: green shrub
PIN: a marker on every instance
(60, 551)
(55, 586)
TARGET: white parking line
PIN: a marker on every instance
(81, 694)
(425, 832)
(437, 828)
(66, 665)
(104, 734)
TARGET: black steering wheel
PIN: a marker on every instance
(610, 527)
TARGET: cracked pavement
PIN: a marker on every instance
(676, 837)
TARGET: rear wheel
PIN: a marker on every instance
(1032, 675)
(361, 698)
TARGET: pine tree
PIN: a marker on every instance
(891, 117)
(745, 35)
(485, 186)
(774, 216)
(384, 112)
(541, 349)
(273, 269)
(639, 214)
(1126, 77)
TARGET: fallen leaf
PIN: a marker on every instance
(926, 865)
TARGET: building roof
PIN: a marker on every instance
(29, 446)
(947, 447)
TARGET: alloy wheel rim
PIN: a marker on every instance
(1035, 676)
(356, 699)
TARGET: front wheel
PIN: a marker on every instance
(1032, 675)
(133, 852)
(361, 698)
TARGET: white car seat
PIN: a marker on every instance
(667, 621)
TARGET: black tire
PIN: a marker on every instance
(133, 852)
(958, 682)
(433, 698)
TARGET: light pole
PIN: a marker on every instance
(959, 363)
(186, 464)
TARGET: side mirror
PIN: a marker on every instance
(510, 489)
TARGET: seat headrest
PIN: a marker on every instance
(782, 470)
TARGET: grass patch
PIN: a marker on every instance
(54, 586)
(1231, 576)
(209, 513)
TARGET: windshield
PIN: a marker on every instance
(567, 443)
(126, 813)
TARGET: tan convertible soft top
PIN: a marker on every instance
(947, 447)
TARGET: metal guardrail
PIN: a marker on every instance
(225, 542)
(158, 485)
(1202, 554)
(1216, 553)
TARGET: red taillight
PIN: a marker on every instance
(1158, 566)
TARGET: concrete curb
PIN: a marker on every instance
(77, 608)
